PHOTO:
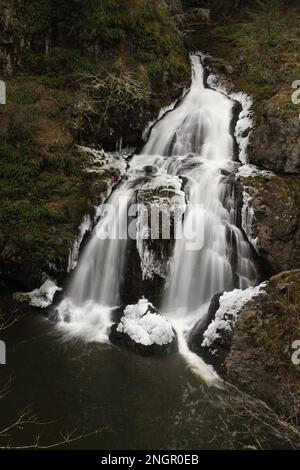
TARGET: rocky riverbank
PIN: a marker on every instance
(251, 340)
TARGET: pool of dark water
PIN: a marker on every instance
(112, 398)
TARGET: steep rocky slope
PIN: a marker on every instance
(274, 202)
(275, 145)
(91, 73)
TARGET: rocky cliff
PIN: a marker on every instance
(77, 73)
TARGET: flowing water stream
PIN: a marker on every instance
(193, 141)
(72, 373)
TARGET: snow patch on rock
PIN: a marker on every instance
(42, 297)
(164, 181)
(248, 170)
(144, 326)
(100, 160)
(150, 263)
(244, 124)
(231, 303)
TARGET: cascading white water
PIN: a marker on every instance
(191, 141)
(99, 274)
(95, 286)
(196, 137)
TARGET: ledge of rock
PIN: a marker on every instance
(149, 255)
(250, 340)
(275, 144)
(143, 330)
(211, 338)
(271, 217)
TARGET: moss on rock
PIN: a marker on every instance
(260, 359)
(79, 72)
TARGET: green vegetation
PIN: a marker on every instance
(115, 91)
(90, 29)
(76, 71)
(262, 44)
(34, 188)
(220, 8)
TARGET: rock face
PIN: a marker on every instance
(143, 330)
(76, 88)
(161, 203)
(99, 173)
(259, 353)
(196, 336)
(212, 338)
(275, 221)
(260, 360)
(275, 144)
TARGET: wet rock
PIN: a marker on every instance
(211, 338)
(143, 330)
(150, 170)
(275, 144)
(260, 358)
(255, 354)
(196, 336)
(275, 226)
(185, 180)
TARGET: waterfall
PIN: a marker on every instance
(96, 283)
(191, 143)
(99, 274)
(197, 134)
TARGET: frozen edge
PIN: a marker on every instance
(100, 160)
(231, 304)
(40, 298)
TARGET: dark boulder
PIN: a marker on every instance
(260, 360)
(258, 352)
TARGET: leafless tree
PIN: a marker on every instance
(27, 418)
